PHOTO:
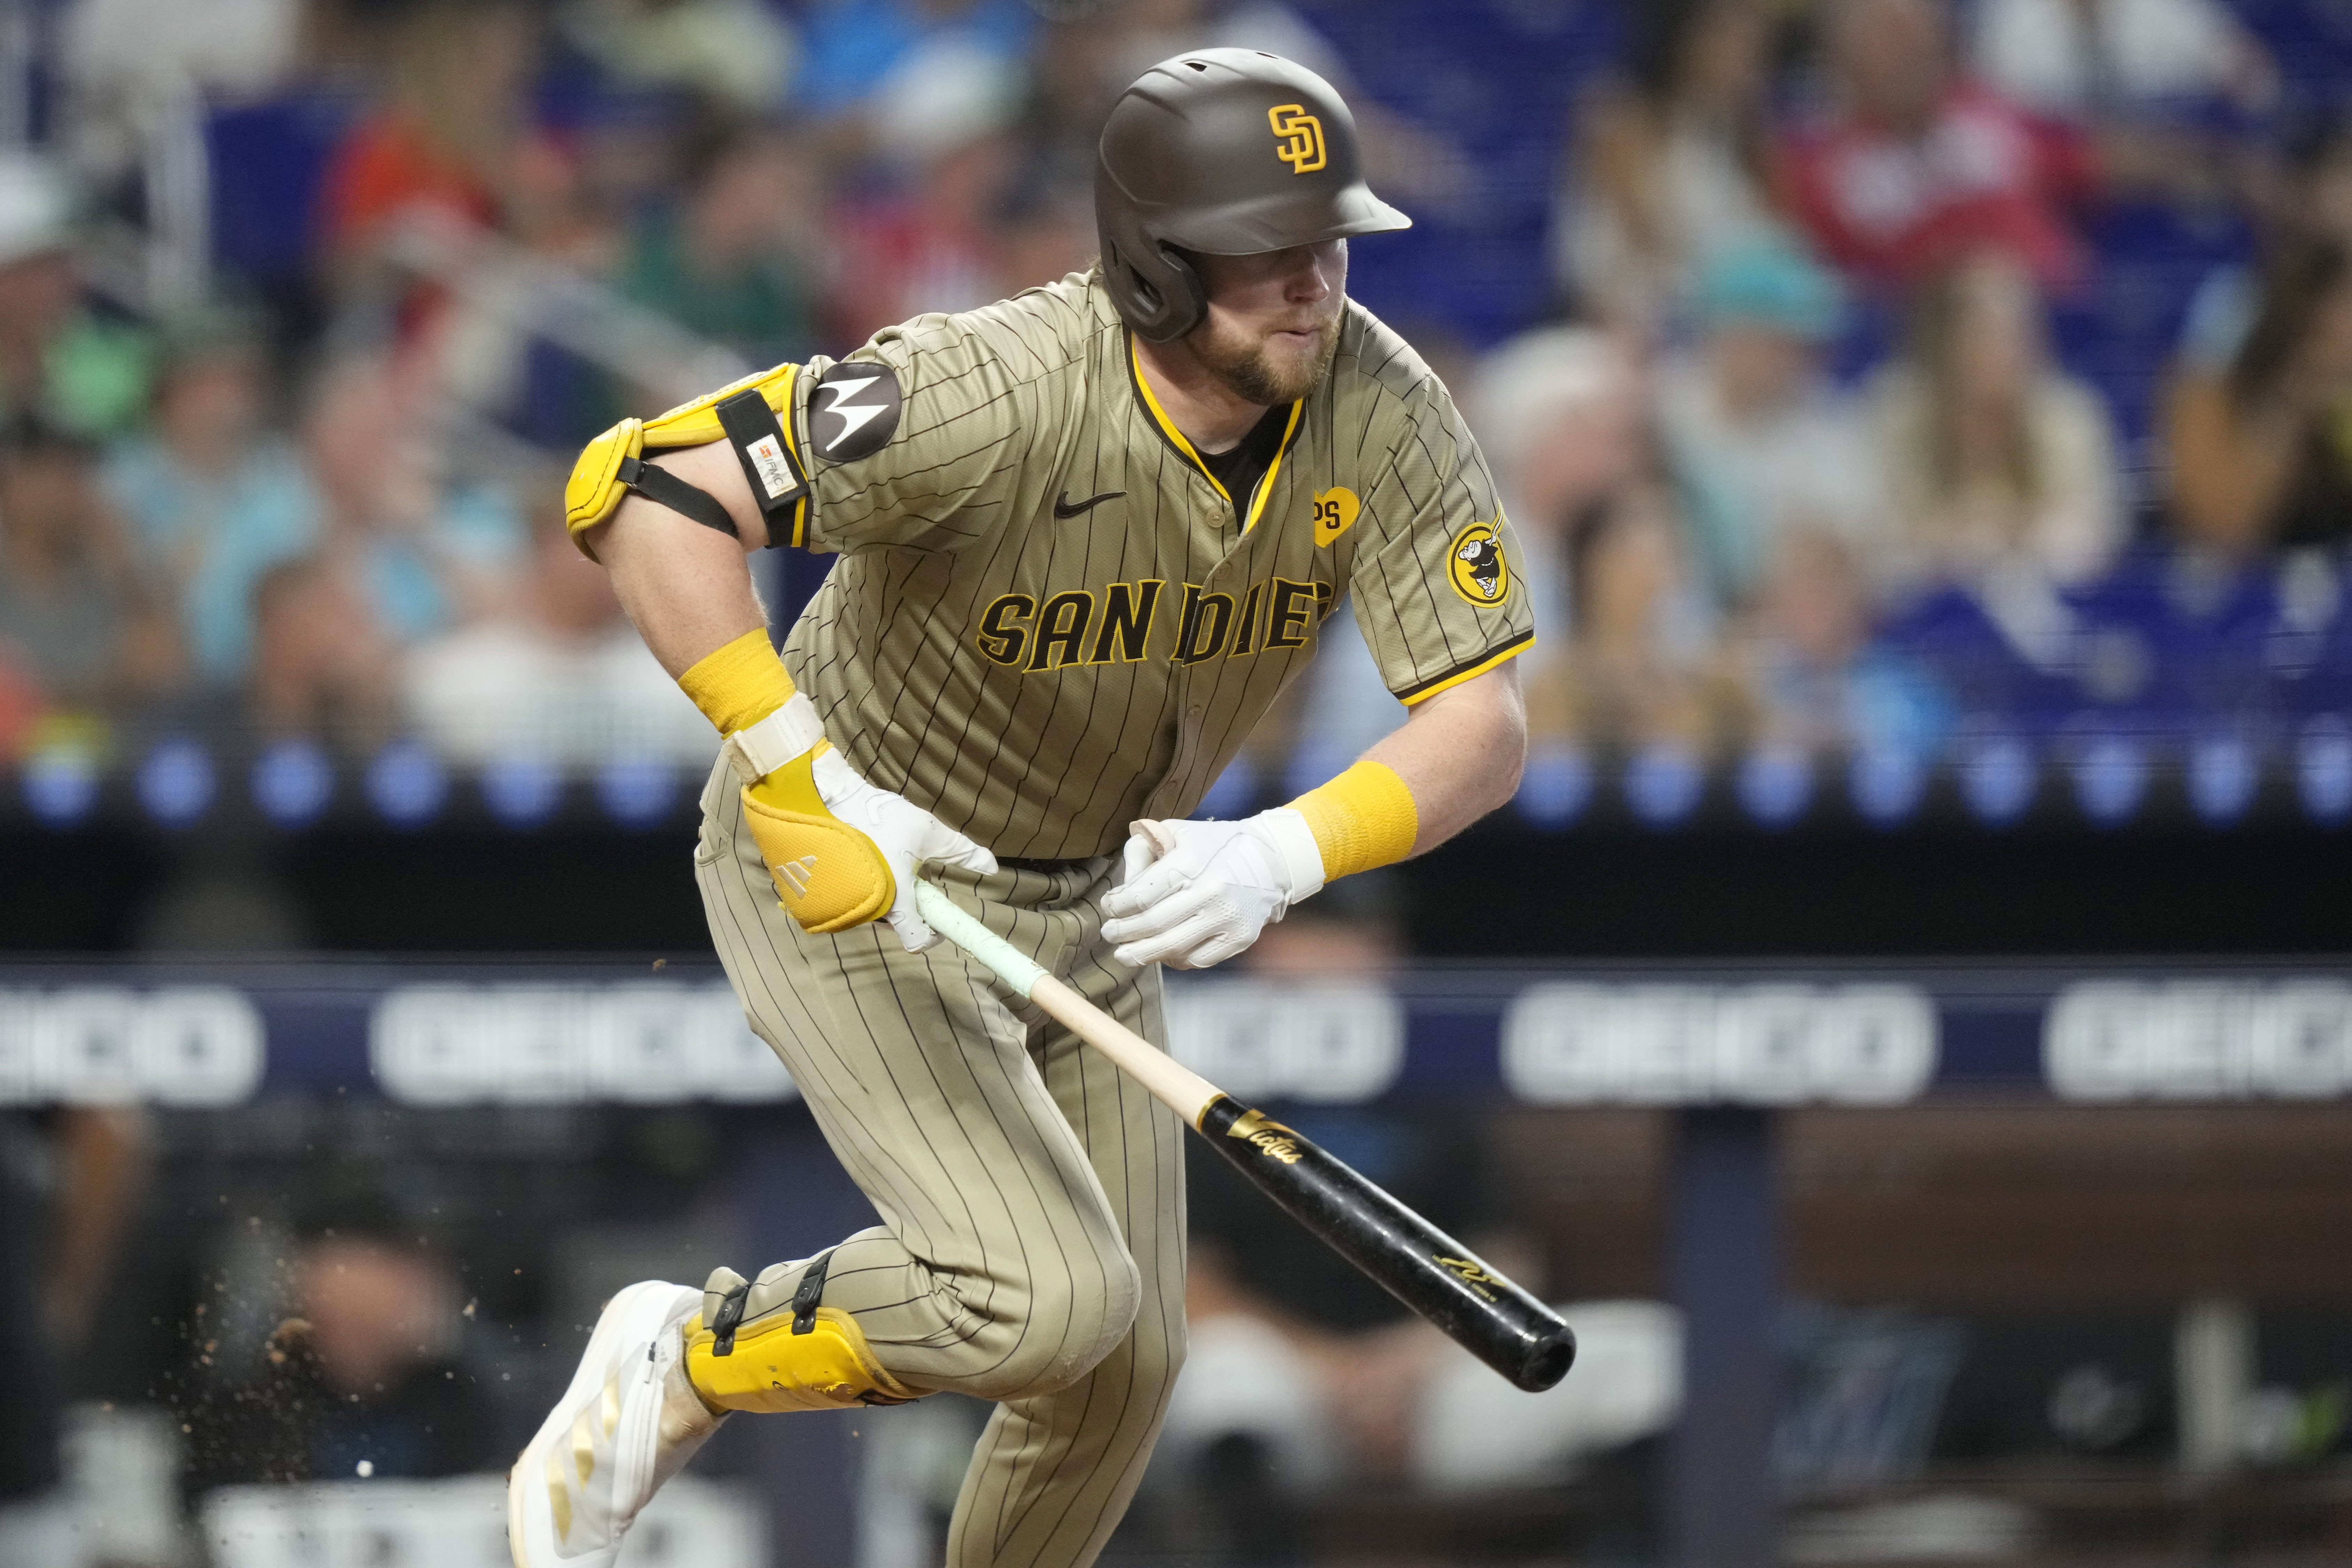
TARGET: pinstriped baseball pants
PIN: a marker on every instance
(1032, 1244)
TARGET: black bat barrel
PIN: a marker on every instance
(1413, 1260)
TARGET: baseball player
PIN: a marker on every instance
(1087, 535)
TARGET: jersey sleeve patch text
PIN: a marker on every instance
(853, 411)
(1476, 567)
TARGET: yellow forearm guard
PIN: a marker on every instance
(770, 1368)
(1363, 818)
(830, 875)
(596, 487)
(740, 684)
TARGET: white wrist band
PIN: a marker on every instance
(755, 751)
(1302, 857)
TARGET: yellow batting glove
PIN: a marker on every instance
(841, 851)
(828, 875)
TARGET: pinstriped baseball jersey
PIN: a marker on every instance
(1050, 618)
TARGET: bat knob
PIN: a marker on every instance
(1548, 1361)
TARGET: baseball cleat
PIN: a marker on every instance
(628, 1422)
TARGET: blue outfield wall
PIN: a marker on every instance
(459, 1034)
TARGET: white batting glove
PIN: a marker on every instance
(1195, 893)
(908, 836)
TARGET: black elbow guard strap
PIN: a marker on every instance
(745, 415)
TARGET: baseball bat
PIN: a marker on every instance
(1417, 1263)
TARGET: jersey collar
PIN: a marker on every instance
(1184, 449)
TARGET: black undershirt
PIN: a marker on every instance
(1240, 467)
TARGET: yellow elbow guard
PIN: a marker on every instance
(753, 414)
(1365, 818)
(829, 876)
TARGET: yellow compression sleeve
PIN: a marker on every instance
(1363, 818)
(740, 684)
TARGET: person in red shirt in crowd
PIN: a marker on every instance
(1914, 165)
(446, 133)
(926, 237)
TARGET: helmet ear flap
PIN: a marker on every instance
(1161, 301)
(1189, 298)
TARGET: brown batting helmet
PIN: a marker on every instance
(1227, 151)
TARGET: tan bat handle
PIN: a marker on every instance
(1169, 1082)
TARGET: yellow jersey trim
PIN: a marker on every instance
(1511, 649)
(1265, 485)
(1177, 439)
(1167, 426)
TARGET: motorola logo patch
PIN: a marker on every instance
(853, 411)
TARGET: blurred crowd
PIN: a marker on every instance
(1819, 448)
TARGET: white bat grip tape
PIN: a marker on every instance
(1001, 958)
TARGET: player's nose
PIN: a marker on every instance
(1313, 274)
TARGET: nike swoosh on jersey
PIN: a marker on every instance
(1062, 507)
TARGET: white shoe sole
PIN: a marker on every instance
(629, 1320)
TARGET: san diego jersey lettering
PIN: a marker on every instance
(1050, 619)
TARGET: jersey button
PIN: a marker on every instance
(1195, 711)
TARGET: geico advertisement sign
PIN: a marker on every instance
(2117, 1039)
(1256, 1039)
(1578, 1044)
(102, 1045)
(646, 1043)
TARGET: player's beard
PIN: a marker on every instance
(1247, 371)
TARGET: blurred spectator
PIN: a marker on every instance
(211, 498)
(133, 68)
(1637, 668)
(1073, 81)
(2259, 458)
(1671, 163)
(320, 665)
(2120, 62)
(59, 359)
(422, 552)
(1758, 441)
(1045, 230)
(1913, 165)
(2307, 196)
(449, 139)
(75, 610)
(1817, 680)
(68, 1178)
(21, 706)
(2163, 86)
(563, 676)
(734, 259)
(739, 54)
(363, 1371)
(927, 242)
(855, 46)
(1155, 30)
(1995, 458)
